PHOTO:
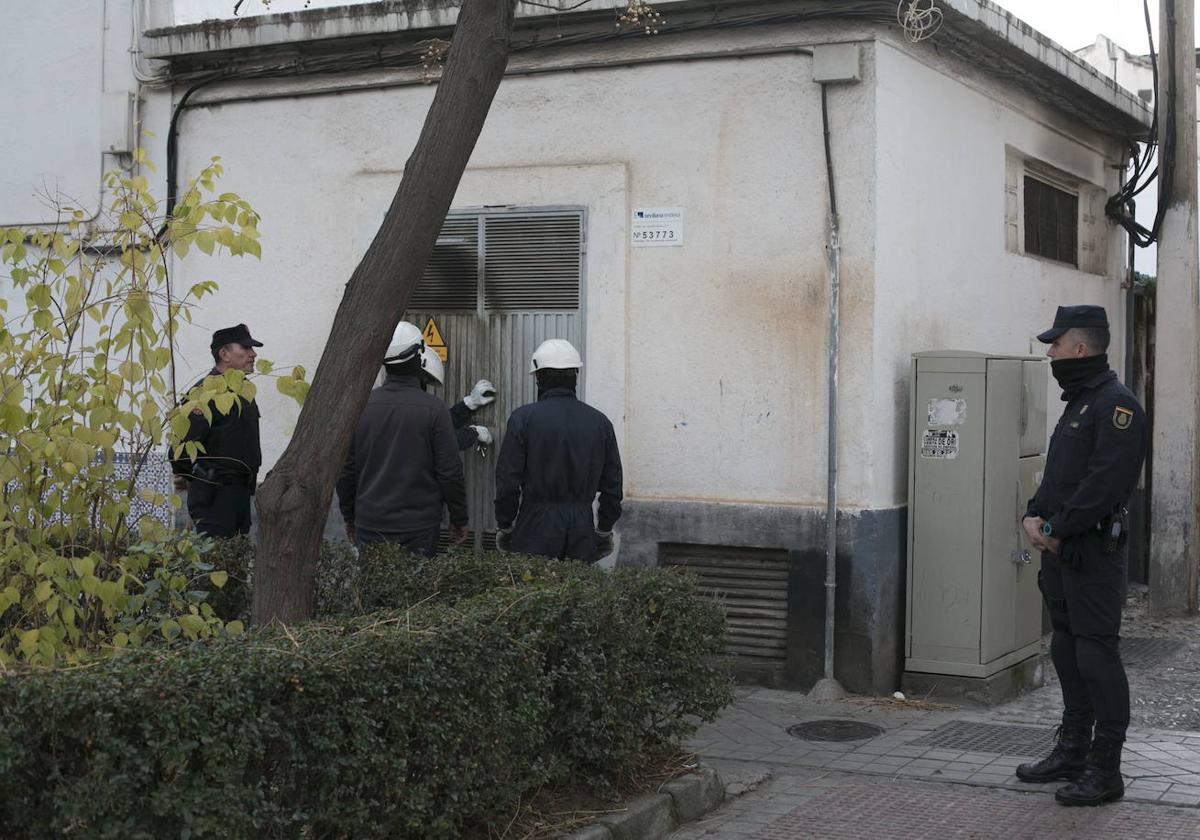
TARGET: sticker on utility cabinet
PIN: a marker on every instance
(652, 227)
(939, 443)
(943, 412)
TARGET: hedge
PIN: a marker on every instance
(505, 675)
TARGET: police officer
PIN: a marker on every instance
(558, 454)
(483, 393)
(221, 481)
(403, 466)
(1077, 520)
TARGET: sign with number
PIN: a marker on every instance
(656, 226)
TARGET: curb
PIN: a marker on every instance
(655, 815)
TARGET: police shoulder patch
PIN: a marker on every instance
(1122, 417)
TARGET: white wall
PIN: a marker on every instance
(944, 278)
(51, 64)
(711, 355)
(67, 75)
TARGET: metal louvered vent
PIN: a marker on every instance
(533, 261)
(451, 280)
(752, 585)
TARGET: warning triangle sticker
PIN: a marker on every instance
(433, 339)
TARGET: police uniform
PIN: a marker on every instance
(223, 477)
(558, 454)
(1092, 467)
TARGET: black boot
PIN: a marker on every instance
(1101, 780)
(1066, 760)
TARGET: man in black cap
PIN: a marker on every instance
(221, 480)
(1077, 520)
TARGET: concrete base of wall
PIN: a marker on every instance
(870, 567)
(1000, 687)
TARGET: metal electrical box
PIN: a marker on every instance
(978, 442)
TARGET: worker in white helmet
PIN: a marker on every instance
(403, 467)
(558, 455)
(483, 393)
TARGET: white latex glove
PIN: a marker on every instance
(483, 433)
(483, 393)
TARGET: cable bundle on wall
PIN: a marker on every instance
(1120, 207)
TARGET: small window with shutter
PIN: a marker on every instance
(502, 260)
(1051, 221)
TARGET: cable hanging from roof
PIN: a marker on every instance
(1120, 206)
(919, 19)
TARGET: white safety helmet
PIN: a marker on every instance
(406, 343)
(555, 354)
(431, 362)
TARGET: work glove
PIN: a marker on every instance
(604, 544)
(482, 394)
(483, 435)
(504, 539)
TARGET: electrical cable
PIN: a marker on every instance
(402, 57)
(1120, 206)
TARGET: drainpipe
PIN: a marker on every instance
(828, 688)
(832, 63)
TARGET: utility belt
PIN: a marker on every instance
(1114, 529)
(224, 478)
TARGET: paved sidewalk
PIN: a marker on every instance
(929, 774)
(837, 806)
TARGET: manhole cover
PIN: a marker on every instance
(834, 730)
(969, 736)
(1139, 651)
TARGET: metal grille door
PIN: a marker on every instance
(500, 282)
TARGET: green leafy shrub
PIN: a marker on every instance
(88, 399)
(412, 723)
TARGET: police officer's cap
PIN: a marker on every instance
(234, 335)
(1072, 317)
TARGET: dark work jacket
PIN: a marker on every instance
(558, 454)
(1094, 460)
(460, 415)
(403, 463)
(231, 444)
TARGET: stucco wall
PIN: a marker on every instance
(944, 278)
(711, 355)
(52, 70)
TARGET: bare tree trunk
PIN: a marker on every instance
(294, 498)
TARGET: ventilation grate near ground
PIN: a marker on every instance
(1002, 739)
(1140, 651)
(751, 585)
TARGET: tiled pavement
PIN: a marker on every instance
(824, 805)
(886, 780)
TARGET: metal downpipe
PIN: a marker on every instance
(828, 688)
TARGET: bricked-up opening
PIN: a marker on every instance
(752, 587)
(1051, 222)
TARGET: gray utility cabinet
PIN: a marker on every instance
(977, 451)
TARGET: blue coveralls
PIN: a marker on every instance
(558, 454)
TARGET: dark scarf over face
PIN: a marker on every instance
(1074, 372)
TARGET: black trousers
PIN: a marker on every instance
(564, 531)
(1085, 612)
(219, 510)
(423, 542)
